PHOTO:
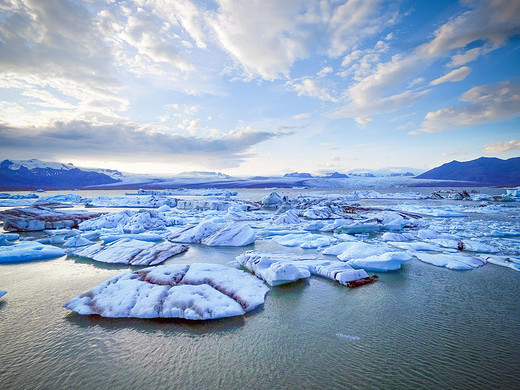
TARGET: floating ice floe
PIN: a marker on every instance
(8, 238)
(306, 240)
(397, 237)
(130, 252)
(359, 250)
(389, 261)
(505, 261)
(41, 218)
(132, 221)
(193, 292)
(124, 201)
(62, 198)
(456, 261)
(214, 233)
(77, 241)
(27, 251)
(278, 268)
(152, 237)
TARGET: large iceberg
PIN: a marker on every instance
(41, 218)
(27, 251)
(193, 292)
(131, 252)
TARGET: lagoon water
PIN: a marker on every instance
(422, 327)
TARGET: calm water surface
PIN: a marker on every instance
(420, 328)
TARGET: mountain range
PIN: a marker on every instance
(32, 174)
(483, 170)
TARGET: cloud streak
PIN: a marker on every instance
(502, 147)
(128, 142)
(490, 103)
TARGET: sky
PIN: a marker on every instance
(249, 87)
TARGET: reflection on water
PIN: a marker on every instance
(171, 326)
(419, 328)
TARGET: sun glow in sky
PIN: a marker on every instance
(259, 87)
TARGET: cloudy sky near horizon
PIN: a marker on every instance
(259, 87)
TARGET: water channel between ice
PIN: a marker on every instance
(422, 327)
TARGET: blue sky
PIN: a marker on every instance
(259, 87)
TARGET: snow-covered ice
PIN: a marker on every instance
(455, 261)
(389, 261)
(215, 233)
(279, 267)
(131, 252)
(194, 292)
(41, 218)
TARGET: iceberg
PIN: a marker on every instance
(359, 250)
(28, 251)
(213, 233)
(289, 217)
(306, 240)
(76, 241)
(8, 238)
(138, 201)
(389, 261)
(131, 252)
(455, 261)
(273, 268)
(278, 268)
(273, 200)
(41, 218)
(192, 292)
(505, 261)
(132, 221)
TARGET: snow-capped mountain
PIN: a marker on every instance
(36, 173)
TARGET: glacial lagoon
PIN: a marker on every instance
(420, 327)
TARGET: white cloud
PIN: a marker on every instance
(453, 76)
(502, 147)
(325, 71)
(487, 104)
(128, 141)
(377, 84)
(312, 88)
(284, 31)
(302, 116)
